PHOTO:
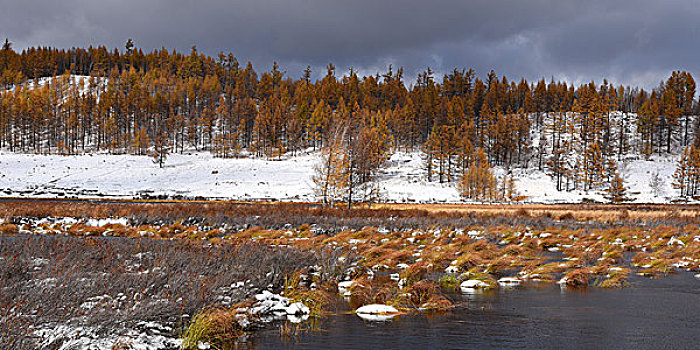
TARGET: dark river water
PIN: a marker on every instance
(651, 314)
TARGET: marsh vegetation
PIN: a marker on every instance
(119, 271)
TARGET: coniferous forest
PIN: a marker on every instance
(57, 101)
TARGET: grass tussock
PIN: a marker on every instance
(577, 278)
(424, 295)
(217, 327)
(316, 299)
(616, 278)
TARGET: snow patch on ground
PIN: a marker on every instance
(403, 179)
(65, 337)
(540, 188)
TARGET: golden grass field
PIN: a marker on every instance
(576, 211)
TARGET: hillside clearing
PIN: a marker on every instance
(200, 175)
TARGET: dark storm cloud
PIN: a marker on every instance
(634, 42)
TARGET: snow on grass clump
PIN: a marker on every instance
(474, 284)
(344, 287)
(377, 312)
(270, 306)
(509, 282)
(109, 221)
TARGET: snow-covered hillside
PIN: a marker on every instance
(201, 175)
(540, 188)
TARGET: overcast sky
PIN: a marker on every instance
(633, 42)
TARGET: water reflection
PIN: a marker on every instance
(376, 318)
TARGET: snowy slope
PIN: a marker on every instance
(132, 176)
(201, 175)
(404, 180)
(540, 188)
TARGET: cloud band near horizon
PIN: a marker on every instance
(630, 42)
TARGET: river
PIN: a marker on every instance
(651, 314)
